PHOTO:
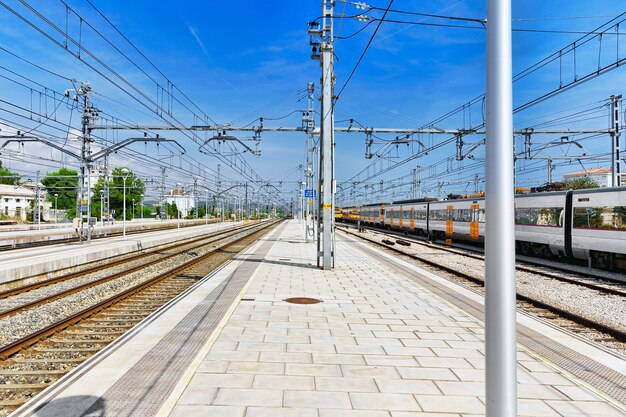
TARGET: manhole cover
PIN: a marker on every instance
(302, 300)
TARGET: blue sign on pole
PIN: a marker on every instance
(310, 193)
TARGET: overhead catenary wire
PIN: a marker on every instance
(363, 53)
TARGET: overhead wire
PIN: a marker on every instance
(363, 53)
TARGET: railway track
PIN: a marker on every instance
(34, 244)
(602, 283)
(34, 361)
(594, 330)
(29, 292)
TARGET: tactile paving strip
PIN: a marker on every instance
(605, 379)
(144, 388)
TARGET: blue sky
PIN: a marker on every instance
(241, 61)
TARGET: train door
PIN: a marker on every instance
(449, 224)
(474, 233)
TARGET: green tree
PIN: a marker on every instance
(64, 183)
(580, 183)
(135, 187)
(7, 176)
(172, 210)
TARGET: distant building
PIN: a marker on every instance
(16, 201)
(184, 202)
(600, 175)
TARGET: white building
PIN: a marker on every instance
(600, 175)
(16, 201)
(184, 202)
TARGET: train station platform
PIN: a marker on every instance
(42, 260)
(388, 339)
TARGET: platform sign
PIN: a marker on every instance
(310, 193)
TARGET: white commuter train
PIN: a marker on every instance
(582, 224)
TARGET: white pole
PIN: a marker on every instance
(124, 210)
(206, 208)
(500, 322)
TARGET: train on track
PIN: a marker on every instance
(579, 224)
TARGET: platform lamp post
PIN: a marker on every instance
(133, 213)
(102, 207)
(125, 172)
(141, 206)
(178, 185)
(56, 208)
(206, 207)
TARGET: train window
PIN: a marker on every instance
(600, 218)
(544, 216)
(462, 215)
(419, 214)
(438, 214)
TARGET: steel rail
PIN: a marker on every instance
(615, 333)
(26, 341)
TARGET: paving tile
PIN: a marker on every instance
(294, 357)
(280, 412)
(438, 374)
(338, 359)
(221, 380)
(353, 413)
(424, 414)
(477, 375)
(437, 362)
(547, 392)
(345, 384)
(386, 360)
(543, 378)
(576, 393)
(407, 386)
(249, 397)
(261, 347)
(237, 337)
(317, 399)
(310, 348)
(475, 389)
(197, 395)
(285, 339)
(213, 366)
(363, 350)
(284, 382)
(232, 356)
(535, 408)
(256, 368)
(382, 401)
(408, 351)
(585, 409)
(312, 369)
(369, 371)
(181, 410)
(450, 403)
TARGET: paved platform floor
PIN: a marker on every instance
(378, 345)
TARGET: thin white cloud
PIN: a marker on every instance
(196, 36)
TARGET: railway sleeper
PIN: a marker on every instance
(32, 372)
(76, 332)
(43, 378)
(64, 355)
(47, 360)
(54, 349)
